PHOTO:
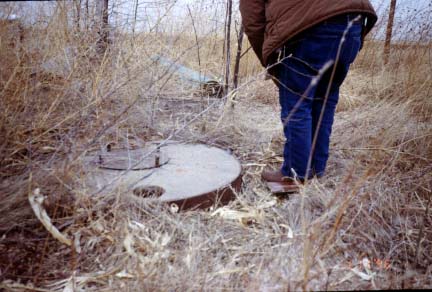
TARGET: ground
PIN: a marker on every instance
(356, 228)
(365, 225)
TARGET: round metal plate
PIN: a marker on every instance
(193, 176)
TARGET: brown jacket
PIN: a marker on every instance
(271, 23)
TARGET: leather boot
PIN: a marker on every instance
(278, 183)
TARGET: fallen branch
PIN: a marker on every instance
(36, 200)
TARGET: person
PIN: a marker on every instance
(308, 47)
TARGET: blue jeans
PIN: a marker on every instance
(303, 101)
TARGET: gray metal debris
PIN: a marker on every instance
(209, 85)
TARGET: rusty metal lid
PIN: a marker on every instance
(187, 175)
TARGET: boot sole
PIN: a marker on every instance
(281, 188)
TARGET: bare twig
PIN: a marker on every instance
(421, 231)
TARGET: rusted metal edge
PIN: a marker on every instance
(216, 198)
(133, 169)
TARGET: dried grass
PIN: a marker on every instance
(363, 226)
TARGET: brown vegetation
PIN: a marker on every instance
(366, 225)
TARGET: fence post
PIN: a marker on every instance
(389, 31)
(228, 45)
(238, 57)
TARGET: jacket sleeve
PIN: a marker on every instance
(254, 21)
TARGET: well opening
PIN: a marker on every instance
(148, 191)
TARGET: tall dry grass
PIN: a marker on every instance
(366, 225)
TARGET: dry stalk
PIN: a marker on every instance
(52, 113)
